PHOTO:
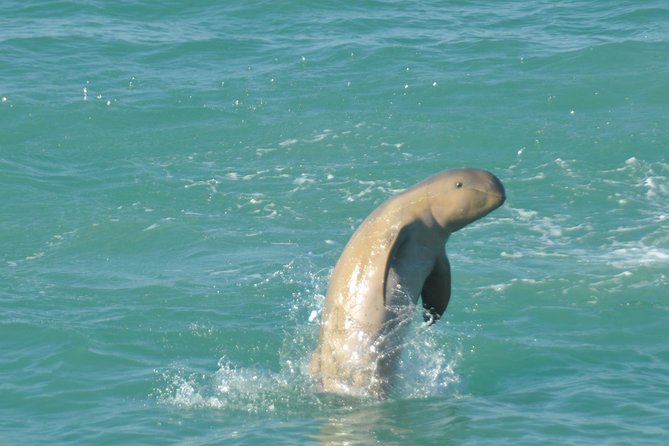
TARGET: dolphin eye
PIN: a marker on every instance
(458, 184)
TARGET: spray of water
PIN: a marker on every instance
(427, 365)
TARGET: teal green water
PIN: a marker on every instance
(177, 180)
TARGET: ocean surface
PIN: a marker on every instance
(177, 180)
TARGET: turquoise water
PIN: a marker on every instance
(177, 180)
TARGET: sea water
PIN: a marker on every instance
(177, 180)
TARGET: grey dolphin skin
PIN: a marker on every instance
(396, 256)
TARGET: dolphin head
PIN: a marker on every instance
(458, 197)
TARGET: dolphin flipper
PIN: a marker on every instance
(436, 290)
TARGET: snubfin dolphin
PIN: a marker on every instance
(396, 256)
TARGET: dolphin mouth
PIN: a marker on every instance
(501, 195)
(495, 189)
